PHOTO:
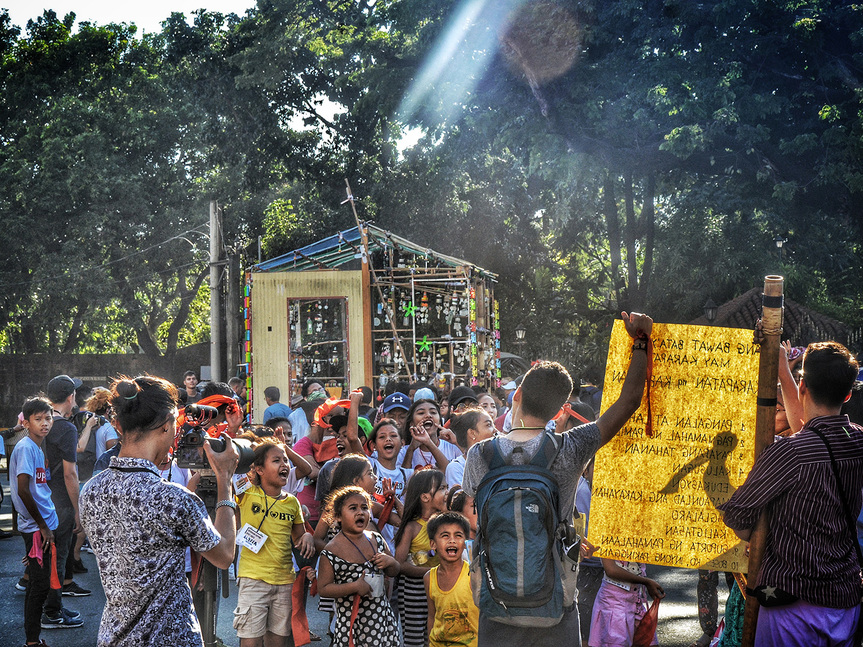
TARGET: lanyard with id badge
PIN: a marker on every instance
(251, 537)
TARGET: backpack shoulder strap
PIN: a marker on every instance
(548, 450)
(491, 454)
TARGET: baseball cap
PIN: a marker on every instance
(61, 387)
(424, 394)
(460, 394)
(396, 401)
(513, 384)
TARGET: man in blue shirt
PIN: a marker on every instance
(37, 521)
(275, 409)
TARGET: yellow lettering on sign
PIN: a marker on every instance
(654, 498)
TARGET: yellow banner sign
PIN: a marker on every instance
(654, 498)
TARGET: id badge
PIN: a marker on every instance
(251, 538)
(241, 483)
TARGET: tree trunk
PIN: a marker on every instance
(648, 211)
(633, 293)
(186, 296)
(75, 330)
(613, 235)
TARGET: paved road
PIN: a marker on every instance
(678, 623)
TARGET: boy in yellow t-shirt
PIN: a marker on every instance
(453, 617)
(271, 523)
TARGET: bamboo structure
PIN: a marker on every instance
(397, 311)
(768, 371)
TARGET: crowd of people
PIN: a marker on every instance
(424, 520)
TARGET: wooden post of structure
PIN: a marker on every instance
(371, 278)
(765, 421)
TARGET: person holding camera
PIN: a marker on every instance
(139, 525)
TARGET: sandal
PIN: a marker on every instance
(703, 641)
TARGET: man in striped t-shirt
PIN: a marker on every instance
(810, 546)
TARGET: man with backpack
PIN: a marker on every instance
(525, 555)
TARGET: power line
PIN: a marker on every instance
(194, 230)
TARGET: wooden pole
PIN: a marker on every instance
(215, 301)
(765, 421)
(367, 263)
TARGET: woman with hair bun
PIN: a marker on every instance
(139, 525)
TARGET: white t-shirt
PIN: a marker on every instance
(294, 485)
(423, 458)
(399, 477)
(455, 471)
(103, 434)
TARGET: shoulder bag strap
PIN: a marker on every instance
(851, 519)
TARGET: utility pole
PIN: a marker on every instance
(215, 302)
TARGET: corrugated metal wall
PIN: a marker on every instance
(270, 335)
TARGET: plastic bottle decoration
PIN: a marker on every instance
(423, 315)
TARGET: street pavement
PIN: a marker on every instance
(678, 615)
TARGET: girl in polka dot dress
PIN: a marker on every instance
(353, 565)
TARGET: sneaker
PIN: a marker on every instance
(75, 615)
(78, 566)
(62, 621)
(73, 590)
(21, 584)
(41, 643)
(87, 548)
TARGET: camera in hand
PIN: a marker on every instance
(189, 452)
(81, 419)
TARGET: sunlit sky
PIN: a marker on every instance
(146, 14)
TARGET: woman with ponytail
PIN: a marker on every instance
(139, 525)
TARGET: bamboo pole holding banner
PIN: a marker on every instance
(772, 301)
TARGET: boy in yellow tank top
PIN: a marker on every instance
(453, 617)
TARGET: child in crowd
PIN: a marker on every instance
(37, 520)
(469, 427)
(457, 500)
(453, 618)
(353, 564)
(349, 440)
(425, 496)
(621, 603)
(394, 406)
(424, 448)
(386, 443)
(353, 470)
(272, 523)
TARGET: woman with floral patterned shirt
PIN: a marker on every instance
(140, 525)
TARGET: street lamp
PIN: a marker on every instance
(520, 333)
(710, 311)
(779, 241)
